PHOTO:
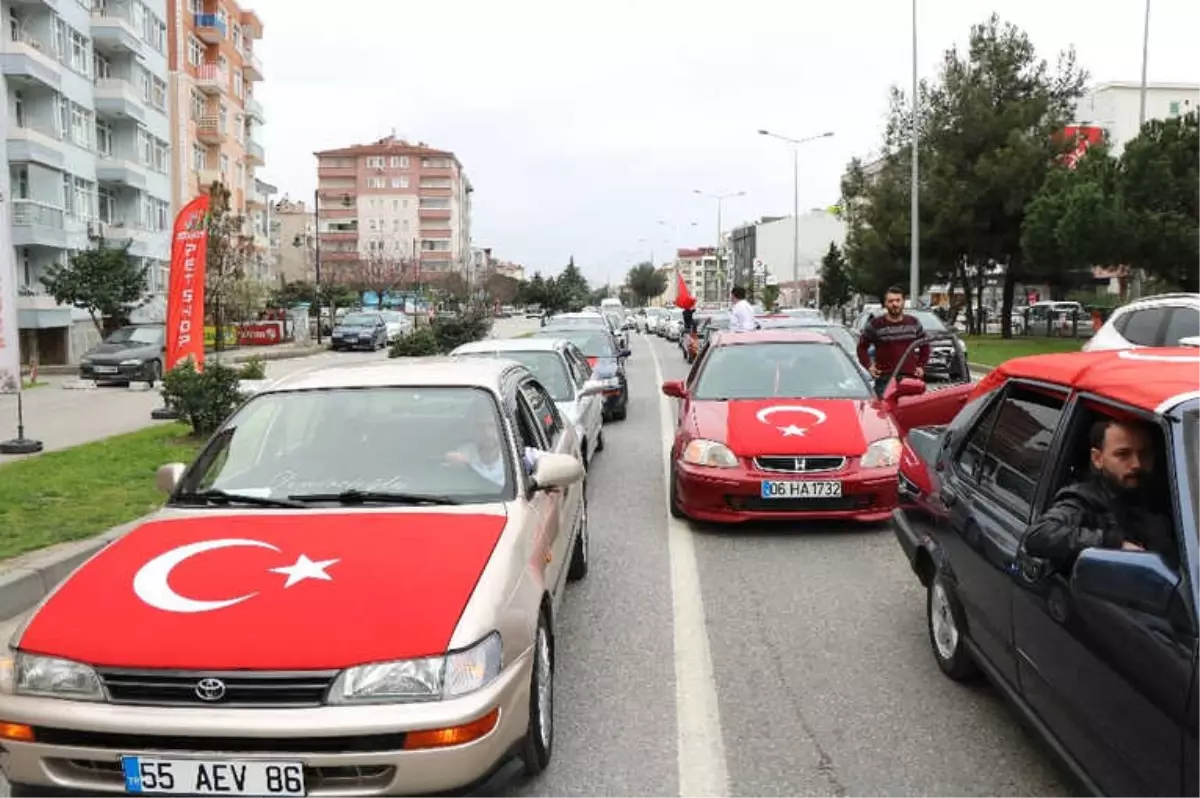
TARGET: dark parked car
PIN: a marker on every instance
(607, 359)
(942, 360)
(1096, 648)
(360, 331)
(133, 353)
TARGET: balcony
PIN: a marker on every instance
(113, 30)
(434, 213)
(210, 28)
(206, 177)
(29, 61)
(251, 67)
(212, 80)
(349, 256)
(254, 110)
(116, 170)
(436, 192)
(38, 224)
(252, 26)
(339, 235)
(30, 145)
(327, 172)
(255, 198)
(116, 97)
(436, 232)
(254, 151)
(209, 130)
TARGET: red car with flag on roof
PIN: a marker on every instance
(783, 424)
(351, 590)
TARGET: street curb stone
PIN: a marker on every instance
(28, 578)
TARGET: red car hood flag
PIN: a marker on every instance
(793, 426)
(302, 591)
(185, 292)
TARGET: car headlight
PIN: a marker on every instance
(883, 453)
(427, 679)
(49, 677)
(709, 453)
(131, 362)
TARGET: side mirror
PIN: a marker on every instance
(592, 388)
(1136, 580)
(168, 476)
(905, 386)
(555, 470)
(674, 388)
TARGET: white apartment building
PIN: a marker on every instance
(1114, 107)
(87, 145)
(775, 244)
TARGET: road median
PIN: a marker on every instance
(265, 353)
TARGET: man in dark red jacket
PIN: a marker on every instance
(891, 334)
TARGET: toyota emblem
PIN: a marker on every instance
(210, 689)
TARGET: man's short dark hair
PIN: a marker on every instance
(738, 292)
(894, 289)
(1099, 429)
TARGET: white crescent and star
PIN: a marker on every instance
(152, 581)
(791, 430)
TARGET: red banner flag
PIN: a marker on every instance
(683, 297)
(185, 295)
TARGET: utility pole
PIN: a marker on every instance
(720, 198)
(914, 266)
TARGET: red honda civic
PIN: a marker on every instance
(782, 424)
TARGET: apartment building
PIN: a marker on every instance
(217, 120)
(88, 151)
(392, 199)
(1115, 106)
(699, 269)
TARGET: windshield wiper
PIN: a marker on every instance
(374, 497)
(215, 496)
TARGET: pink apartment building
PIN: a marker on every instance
(394, 201)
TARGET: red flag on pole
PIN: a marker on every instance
(185, 294)
(683, 297)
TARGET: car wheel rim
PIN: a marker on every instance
(545, 691)
(945, 630)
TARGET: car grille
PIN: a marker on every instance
(755, 504)
(237, 688)
(799, 464)
(114, 741)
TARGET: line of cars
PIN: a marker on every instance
(370, 330)
(352, 589)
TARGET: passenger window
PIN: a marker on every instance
(527, 433)
(1016, 450)
(1143, 325)
(971, 455)
(578, 375)
(1183, 323)
(545, 412)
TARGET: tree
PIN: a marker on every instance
(573, 286)
(377, 273)
(1160, 170)
(532, 291)
(105, 281)
(455, 288)
(230, 248)
(835, 282)
(501, 288)
(645, 282)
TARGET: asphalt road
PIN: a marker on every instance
(786, 661)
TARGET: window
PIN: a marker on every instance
(19, 108)
(1141, 326)
(971, 454)
(102, 66)
(107, 206)
(435, 163)
(62, 120)
(375, 162)
(59, 39)
(545, 412)
(199, 161)
(237, 37)
(162, 156)
(104, 138)
(144, 83)
(82, 126)
(771, 370)
(223, 117)
(238, 87)
(376, 182)
(1183, 323)
(372, 203)
(158, 94)
(198, 105)
(85, 199)
(195, 52)
(399, 161)
(224, 165)
(145, 147)
(1016, 449)
(239, 129)
(435, 203)
(399, 182)
(81, 60)
(1174, 109)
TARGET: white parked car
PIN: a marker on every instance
(398, 324)
(564, 372)
(1163, 320)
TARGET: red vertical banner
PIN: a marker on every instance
(185, 295)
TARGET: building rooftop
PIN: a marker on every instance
(389, 145)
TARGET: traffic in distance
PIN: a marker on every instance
(430, 515)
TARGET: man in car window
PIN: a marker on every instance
(1110, 508)
(891, 334)
(484, 453)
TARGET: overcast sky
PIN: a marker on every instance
(583, 124)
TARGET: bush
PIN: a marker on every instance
(454, 332)
(254, 369)
(203, 399)
(421, 343)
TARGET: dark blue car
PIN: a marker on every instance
(607, 360)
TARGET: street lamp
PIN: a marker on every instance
(914, 227)
(796, 198)
(720, 198)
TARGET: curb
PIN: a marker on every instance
(226, 357)
(979, 367)
(28, 578)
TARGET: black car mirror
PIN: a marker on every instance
(1137, 580)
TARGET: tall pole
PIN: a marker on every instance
(795, 212)
(914, 268)
(317, 255)
(718, 252)
(1145, 63)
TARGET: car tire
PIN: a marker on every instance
(538, 745)
(944, 618)
(622, 412)
(673, 495)
(600, 441)
(154, 373)
(581, 551)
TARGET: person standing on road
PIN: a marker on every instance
(741, 315)
(891, 334)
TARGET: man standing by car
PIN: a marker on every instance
(891, 334)
(1110, 508)
(741, 315)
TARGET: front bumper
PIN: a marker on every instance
(345, 750)
(112, 372)
(733, 495)
(354, 342)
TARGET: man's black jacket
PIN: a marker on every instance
(1091, 513)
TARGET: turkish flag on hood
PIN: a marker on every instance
(796, 427)
(270, 591)
(683, 297)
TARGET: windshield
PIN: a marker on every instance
(360, 320)
(547, 367)
(592, 344)
(136, 335)
(929, 320)
(394, 439)
(768, 371)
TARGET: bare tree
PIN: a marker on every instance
(230, 249)
(378, 272)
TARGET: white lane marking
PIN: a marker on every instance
(702, 767)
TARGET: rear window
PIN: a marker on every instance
(547, 368)
(767, 371)
(590, 342)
